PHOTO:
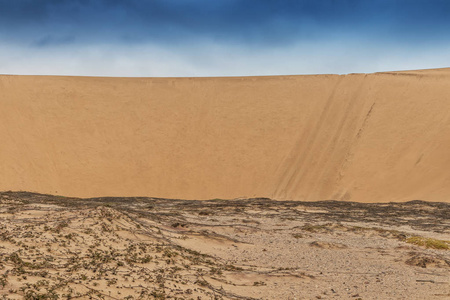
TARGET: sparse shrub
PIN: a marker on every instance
(202, 282)
(3, 282)
(428, 242)
(60, 226)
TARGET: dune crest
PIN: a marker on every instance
(360, 137)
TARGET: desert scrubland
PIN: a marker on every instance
(54, 247)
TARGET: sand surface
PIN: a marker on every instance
(368, 138)
(146, 248)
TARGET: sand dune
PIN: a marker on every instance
(360, 137)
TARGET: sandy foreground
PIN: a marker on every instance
(146, 248)
(360, 137)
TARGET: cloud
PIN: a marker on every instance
(50, 40)
(212, 59)
(221, 37)
(262, 22)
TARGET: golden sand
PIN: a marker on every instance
(361, 137)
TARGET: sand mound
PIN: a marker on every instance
(377, 137)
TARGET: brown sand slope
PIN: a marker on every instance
(377, 137)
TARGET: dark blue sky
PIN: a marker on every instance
(221, 37)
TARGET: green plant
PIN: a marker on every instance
(428, 242)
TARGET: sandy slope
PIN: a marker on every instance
(377, 137)
(146, 248)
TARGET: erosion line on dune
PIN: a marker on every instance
(330, 160)
(301, 153)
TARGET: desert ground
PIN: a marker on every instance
(54, 247)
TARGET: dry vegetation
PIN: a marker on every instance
(145, 248)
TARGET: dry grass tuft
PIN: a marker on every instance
(428, 242)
